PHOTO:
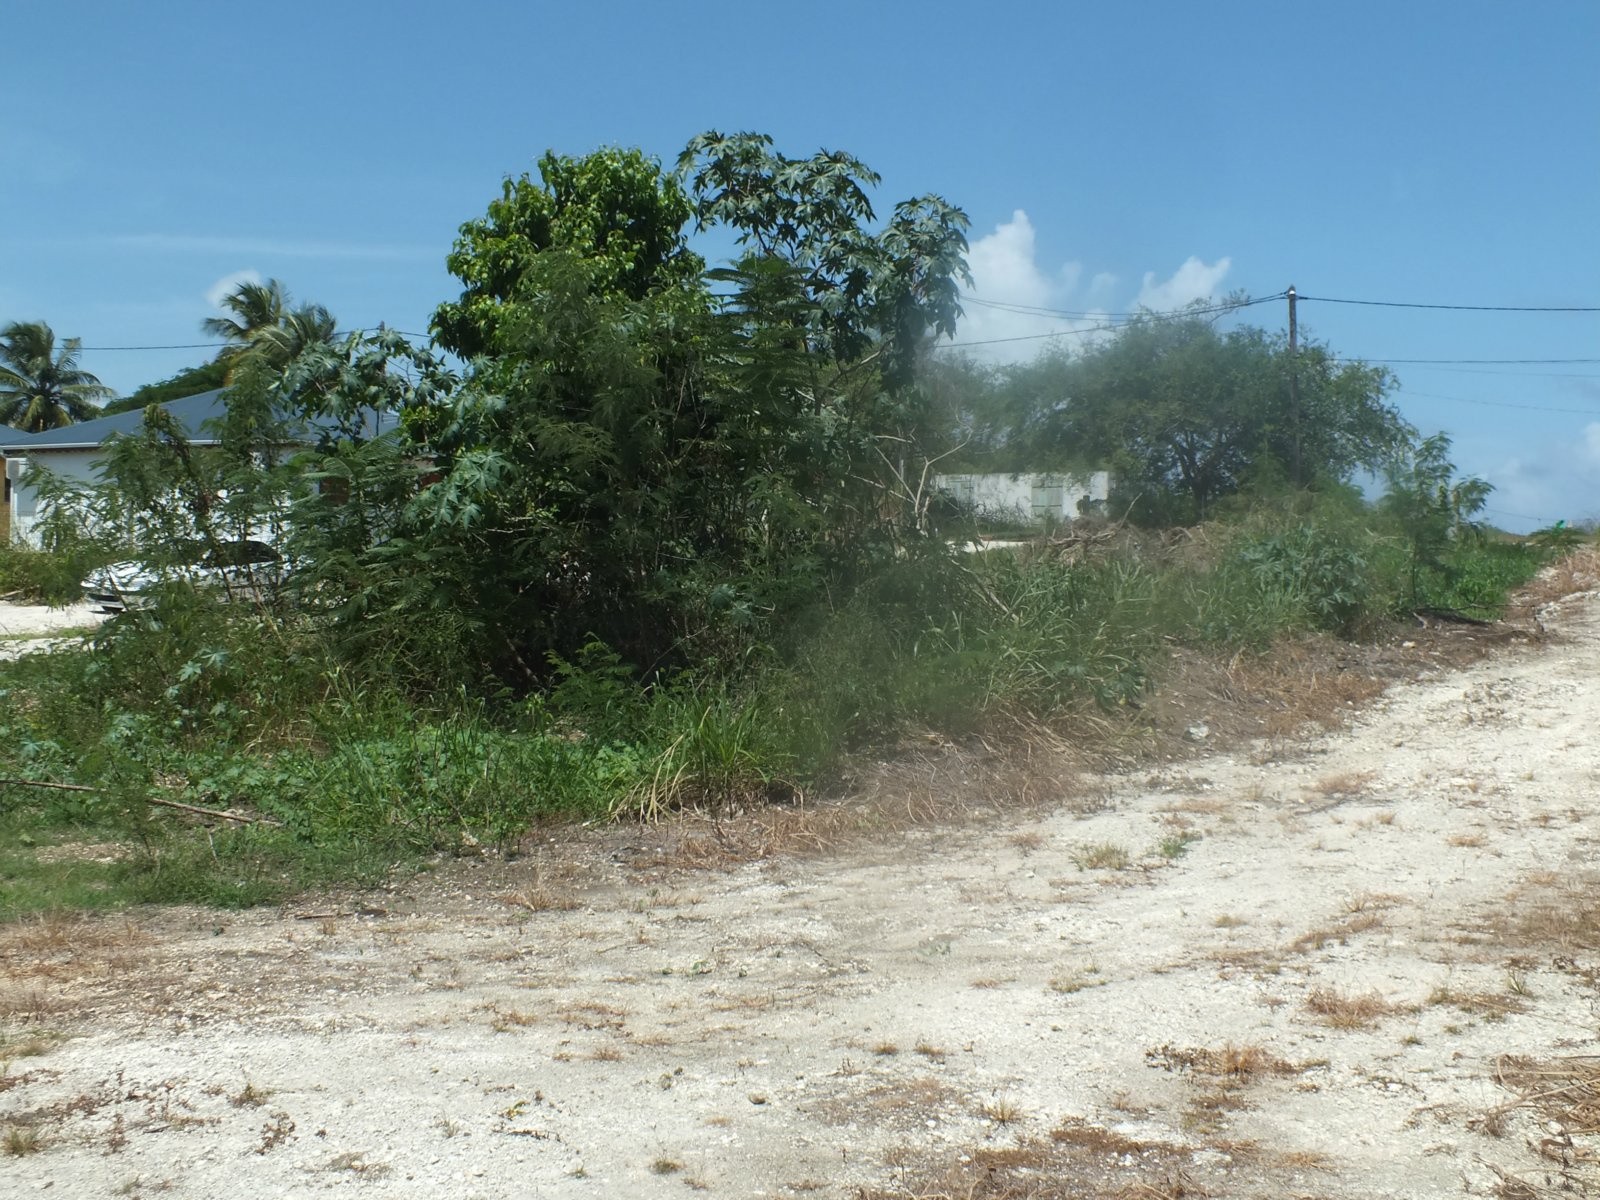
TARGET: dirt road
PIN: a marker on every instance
(1330, 972)
(26, 628)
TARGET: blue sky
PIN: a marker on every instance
(1108, 155)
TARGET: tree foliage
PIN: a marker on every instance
(661, 456)
(191, 381)
(41, 385)
(614, 210)
(267, 324)
(1433, 508)
(1184, 413)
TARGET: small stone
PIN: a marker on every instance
(758, 1098)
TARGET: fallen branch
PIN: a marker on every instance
(156, 800)
(212, 812)
(39, 783)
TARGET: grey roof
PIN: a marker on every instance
(191, 413)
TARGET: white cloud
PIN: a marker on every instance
(224, 286)
(1008, 307)
(1006, 273)
(1194, 280)
(1549, 481)
(1591, 442)
(1003, 267)
(1102, 286)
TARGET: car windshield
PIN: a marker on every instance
(239, 554)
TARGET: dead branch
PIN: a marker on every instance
(40, 783)
(212, 812)
(155, 800)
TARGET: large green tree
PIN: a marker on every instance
(614, 210)
(41, 385)
(1186, 413)
(656, 454)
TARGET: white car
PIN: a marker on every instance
(246, 570)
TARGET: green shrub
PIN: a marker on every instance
(45, 577)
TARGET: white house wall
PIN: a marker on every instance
(76, 466)
(1032, 495)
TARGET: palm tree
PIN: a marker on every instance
(306, 326)
(40, 387)
(256, 308)
(264, 324)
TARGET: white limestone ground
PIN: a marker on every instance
(25, 628)
(1302, 981)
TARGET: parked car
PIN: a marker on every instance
(242, 570)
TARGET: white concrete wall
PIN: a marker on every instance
(73, 465)
(1030, 495)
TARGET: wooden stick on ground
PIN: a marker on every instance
(156, 800)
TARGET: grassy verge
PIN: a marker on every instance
(257, 714)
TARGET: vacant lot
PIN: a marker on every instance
(1357, 965)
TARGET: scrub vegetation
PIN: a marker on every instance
(668, 539)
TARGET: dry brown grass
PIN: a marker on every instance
(1002, 1110)
(903, 1104)
(1349, 1010)
(924, 783)
(1229, 1061)
(1576, 572)
(30, 1005)
(1565, 1090)
(592, 1016)
(539, 899)
(504, 1020)
(21, 1140)
(67, 933)
(1223, 1077)
(1369, 901)
(1102, 856)
(1492, 1005)
(1338, 933)
(1550, 910)
(1344, 784)
(1079, 1161)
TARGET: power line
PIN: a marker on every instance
(1134, 318)
(1500, 512)
(1548, 308)
(1549, 362)
(344, 333)
(1582, 412)
(175, 346)
(1034, 310)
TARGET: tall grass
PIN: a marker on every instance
(362, 767)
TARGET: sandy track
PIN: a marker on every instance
(25, 628)
(1301, 982)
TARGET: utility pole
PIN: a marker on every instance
(1294, 387)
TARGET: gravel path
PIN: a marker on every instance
(28, 627)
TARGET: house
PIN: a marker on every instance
(8, 435)
(73, 451)
(1030, 497)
